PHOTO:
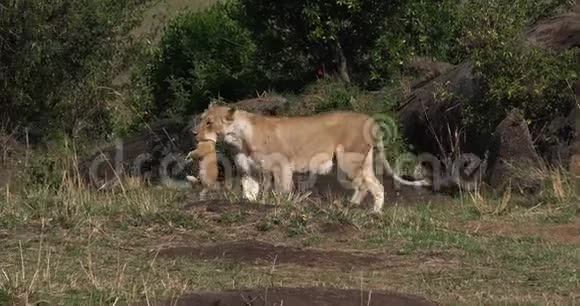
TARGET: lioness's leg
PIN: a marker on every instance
(358, 195)
(352, 164)
(377, 190)
(202, 194)
(250, 186)
(283, 179)
(267, 178)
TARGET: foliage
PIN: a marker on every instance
(331, 94)
(56, 59)
(518, 76)
(515, 75)
(498, 22)
(295, 38)
(445, 31)
(328, 95)
(5, 297)
(420, 28)
(202, 54)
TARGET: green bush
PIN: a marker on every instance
(56, 59)
(297, 37)
(329, 95)
(203, 54)
(515, 75)
(420, 28)
(519, 76)
(492, 24)
(450, 30)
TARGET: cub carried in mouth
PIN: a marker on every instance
(208, 168)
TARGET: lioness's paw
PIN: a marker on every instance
(192, 179)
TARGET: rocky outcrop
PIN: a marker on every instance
(512, 155)
(156, 153)
(432, 113)
(426, 70)
(426, 118)
(561, 32)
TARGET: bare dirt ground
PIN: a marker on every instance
(297, 297)
(561, 233)
(259, 252)
(336, 252)
(161, 247)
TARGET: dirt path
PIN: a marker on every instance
(258, 252)
(296, 297)
(562, 233)
(221, 206)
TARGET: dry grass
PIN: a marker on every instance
(72, 245)
(160, 12)
(490, 207)
(64, 244)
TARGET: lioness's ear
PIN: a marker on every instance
(230, 114)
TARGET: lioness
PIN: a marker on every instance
(284, 145)
(208, 167)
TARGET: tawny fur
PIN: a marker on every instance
(284, 145)
(208, 167)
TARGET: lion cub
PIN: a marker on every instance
(208, 167)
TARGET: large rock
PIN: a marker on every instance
(512, 155)
(145, 154)
(429, 124)
(554, 142)
(426, 69)
(558, 141)
(267, 105)
(561, 32)
(426, 119)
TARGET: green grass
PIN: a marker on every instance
(77, 247)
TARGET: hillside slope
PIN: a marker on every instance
(160, 12)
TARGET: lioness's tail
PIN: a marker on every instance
(387, 166)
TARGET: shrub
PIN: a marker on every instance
(327, 95)
(331, 94)
(491, 24)
(515, 75)
(55, 59)
(298, 37)
(202, 54)
(518, 76)
(420, 28)
(450, 30)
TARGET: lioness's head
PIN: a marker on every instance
(215, 122)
